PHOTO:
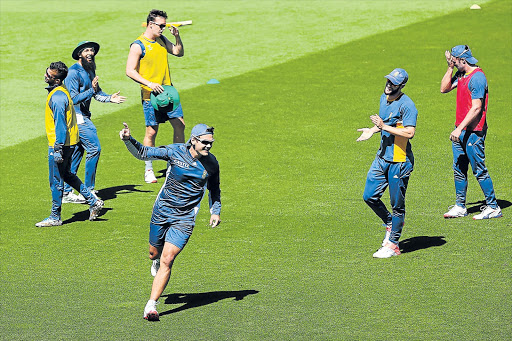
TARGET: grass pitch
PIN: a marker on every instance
(292, 258)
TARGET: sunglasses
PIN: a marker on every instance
(162, 26)
(205, 142)
(466, 49)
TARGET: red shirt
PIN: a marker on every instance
(464, 103)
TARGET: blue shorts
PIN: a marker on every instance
(170, 234)
(155, 117)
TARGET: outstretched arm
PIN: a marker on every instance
(141, 152)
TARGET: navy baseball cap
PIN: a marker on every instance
(463, 51)
(398, 76)
(200, 129)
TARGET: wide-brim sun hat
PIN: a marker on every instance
(166, 101)
(83, 45)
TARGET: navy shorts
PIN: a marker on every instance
(155, 117)
(158, 234)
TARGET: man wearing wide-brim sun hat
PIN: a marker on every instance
(83, 45)
(83, 85)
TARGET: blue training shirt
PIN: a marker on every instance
(79, 84)
(180, 196)
(399, 113)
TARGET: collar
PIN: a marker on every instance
(396, 99)
(50, 88)
(470, 72)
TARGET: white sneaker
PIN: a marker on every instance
(150, 177)
(150, 312)
(387, 251)
(95, 209)
(488, 212)
(49, 222)
(72, 198)
(155, 266)
(456, 211)
(388, 233)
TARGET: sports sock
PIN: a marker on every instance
(149, 165)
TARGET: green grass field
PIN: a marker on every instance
(292, 259)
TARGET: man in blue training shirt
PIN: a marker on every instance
(394, 161)
(62, 133)
(83, 86)
(190, 169)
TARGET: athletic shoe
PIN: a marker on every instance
(155, 266)
(456, 211)
(388, 233)
(49, 222)
(150, 312)
(150, 177)
(72, 198)
(387, 251)
(95, 209)
(488, 212)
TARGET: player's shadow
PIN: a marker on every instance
(200, 299)
(104, 194)
(161, 173)
(84, 215)
(474, 207)
(420, 242)
(112, 192)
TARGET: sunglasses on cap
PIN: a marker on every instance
(466, 49)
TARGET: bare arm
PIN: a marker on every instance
(446, 82)
(407, 132)
(476, 108)
(131, 69)
(174, 49)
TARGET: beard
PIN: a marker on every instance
(88, 65)
(390, 91)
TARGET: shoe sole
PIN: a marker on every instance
(454, 216)
(498, 216)
(45, 225)
(73, 202)
(152, 316)
(151, 182)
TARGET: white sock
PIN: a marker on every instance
(151, 303)
(149, 165)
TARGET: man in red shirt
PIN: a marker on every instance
(470, 130)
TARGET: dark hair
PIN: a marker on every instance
(62, 69)
(155, 13)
